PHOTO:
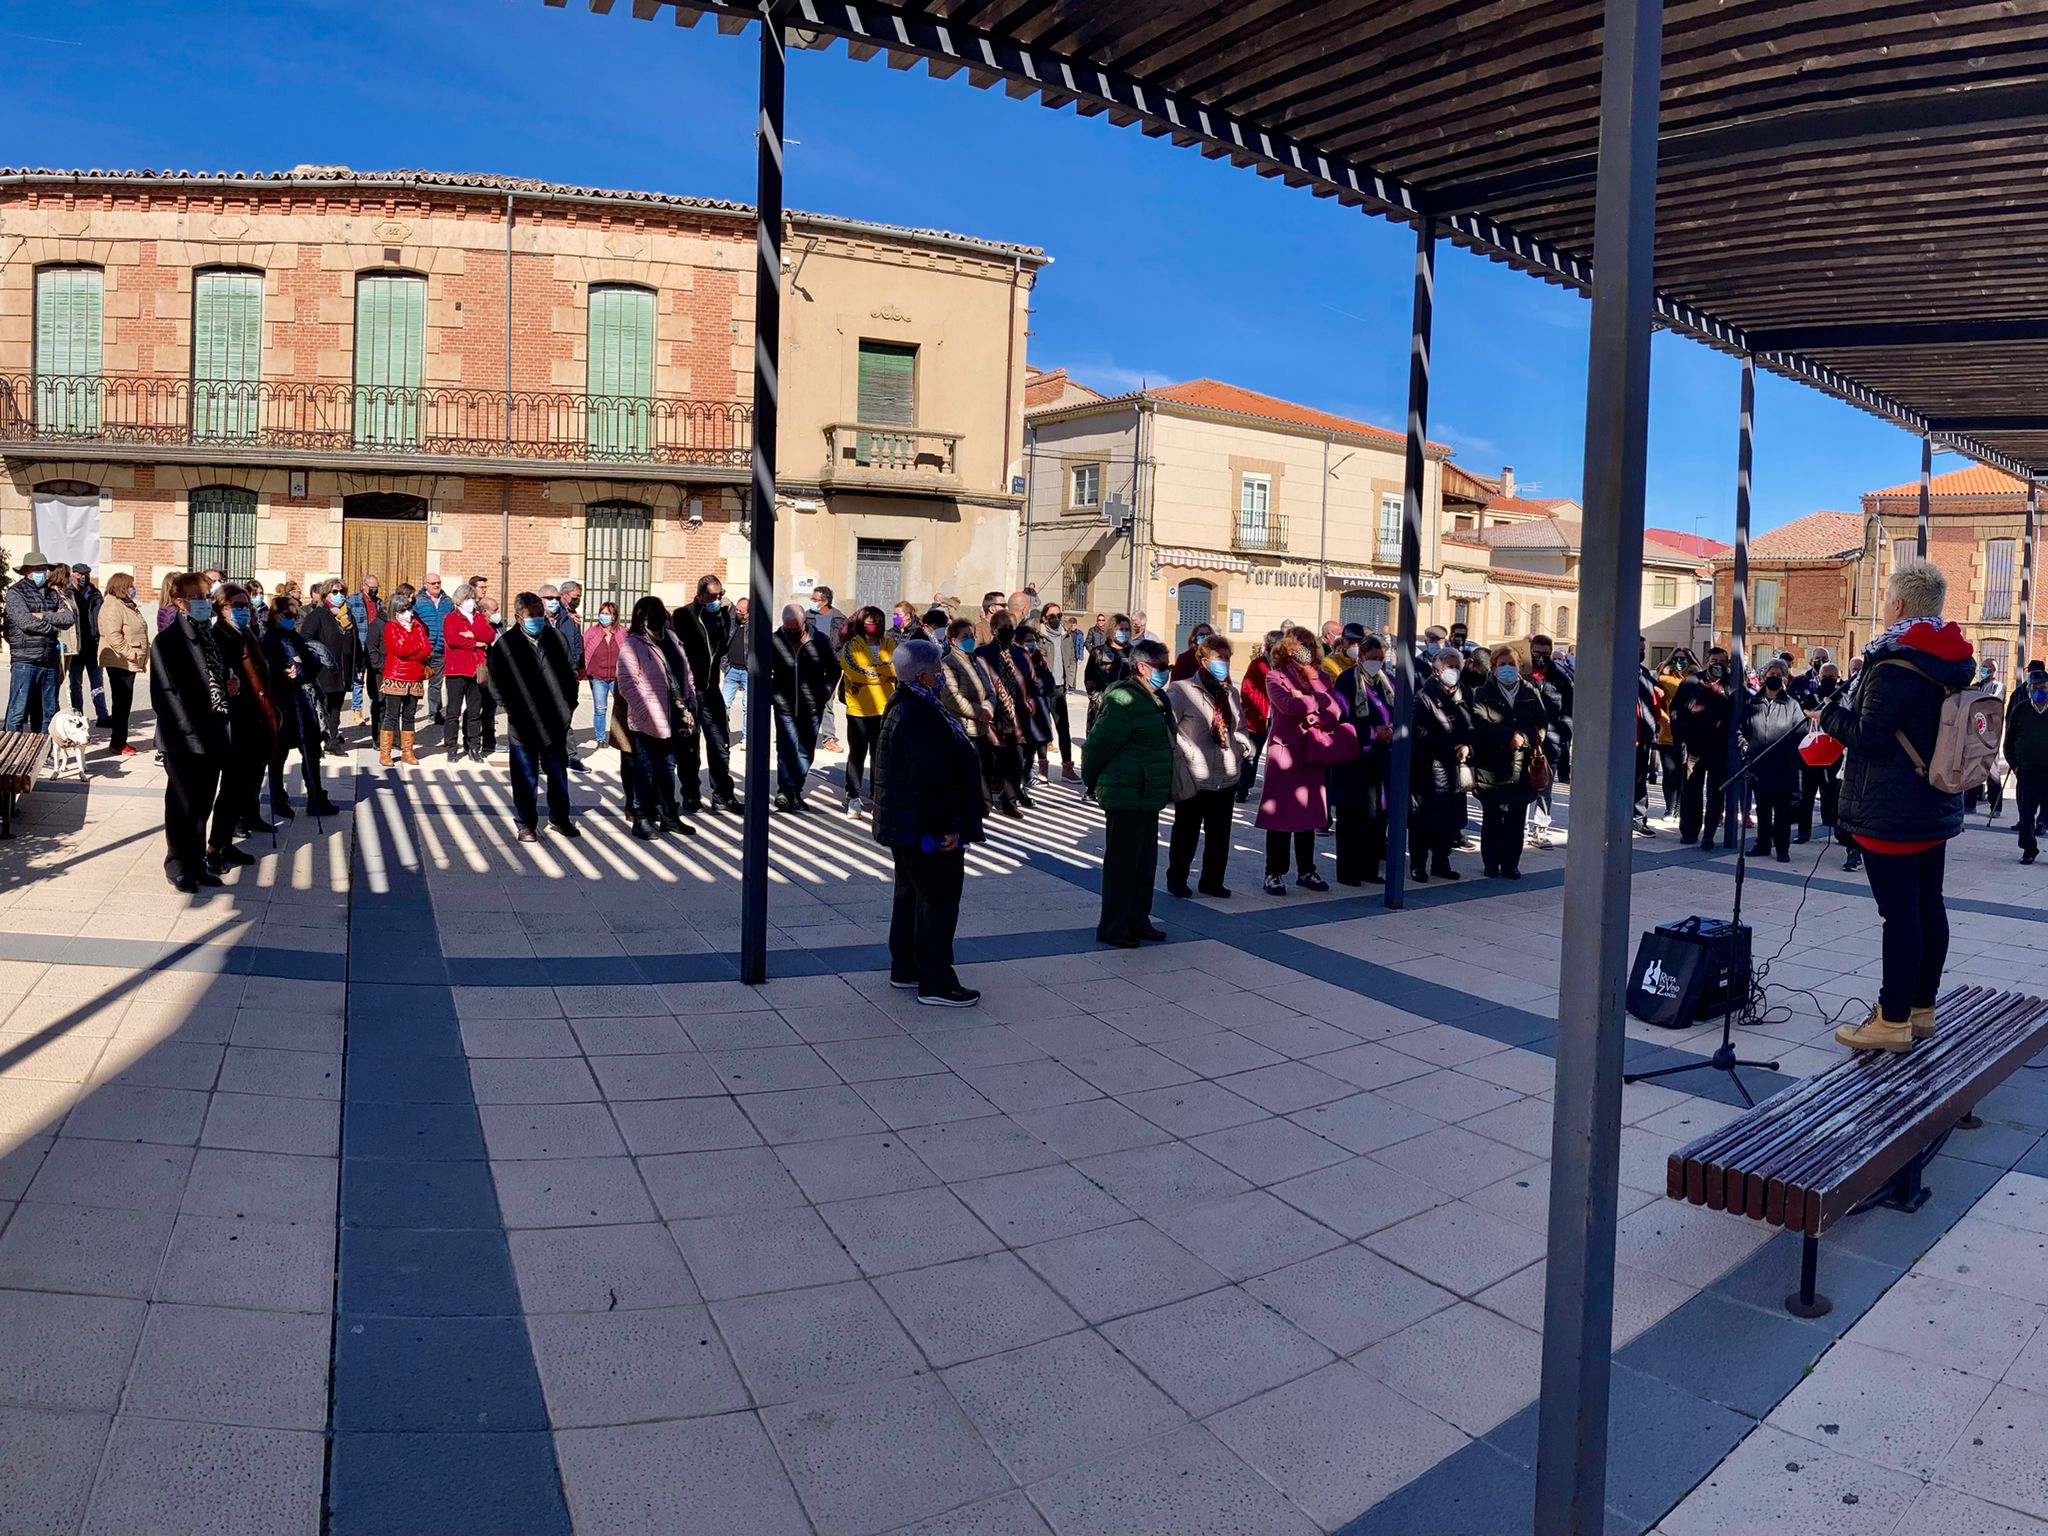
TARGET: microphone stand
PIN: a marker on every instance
(1724, 1058)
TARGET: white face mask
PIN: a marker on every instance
(468, 607)
(1450, 675)
(1373, 667)
(405, 618)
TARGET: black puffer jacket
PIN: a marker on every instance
(1773, 761)
(336, 647)
(1900, 689)
(1497, 763)
(1442, 725)
(927, 776)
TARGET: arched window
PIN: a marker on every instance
(1564, 621)
(618, 555)
(1535, 618)
(223, 531)
(1507, 619)
(621, 374)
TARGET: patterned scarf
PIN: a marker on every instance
(1897, 631)
(216, 668)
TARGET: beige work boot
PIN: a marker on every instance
(384, 749)
(1880, 1034)
(1923, 1023)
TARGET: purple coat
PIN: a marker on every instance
(1295, 798)
(643, 685)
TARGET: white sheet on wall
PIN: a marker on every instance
(68, 527)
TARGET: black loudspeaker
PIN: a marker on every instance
(1724, 968)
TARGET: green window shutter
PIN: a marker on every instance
(70, 304)
(887, 398)
(621, 376)
(227, 353)
(391, 344)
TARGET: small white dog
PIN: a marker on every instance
(69, 734)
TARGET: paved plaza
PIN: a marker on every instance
(424, 1181)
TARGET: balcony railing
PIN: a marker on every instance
(1259, 535)
(332, 419)
(900, 458)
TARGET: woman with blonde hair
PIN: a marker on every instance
(124, 651)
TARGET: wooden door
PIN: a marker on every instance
(392, 551)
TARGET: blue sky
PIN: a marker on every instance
(1167, 266)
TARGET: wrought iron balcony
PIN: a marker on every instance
(317, 421)
(860, 455)
(1259, 535)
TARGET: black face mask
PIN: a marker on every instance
(1774, 685)
(1716, 671)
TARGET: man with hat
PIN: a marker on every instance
(37, 614)
(1341, 650)
(84, 661)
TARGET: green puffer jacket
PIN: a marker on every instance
(1128, 756)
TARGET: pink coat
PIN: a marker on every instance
(1295, 798)
(643, 685)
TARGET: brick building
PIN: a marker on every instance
(1808, 585)
(312, 373)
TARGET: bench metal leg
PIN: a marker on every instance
(1808, 1302)
(6, 813)
(1971, 1121)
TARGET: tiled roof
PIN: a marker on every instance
(1689, 543)
(1235, 400)
(1523, 506)
(469, 181)
(1508, 576)
(1971, 480)
(1546, 532)
(1050, 387)
(1816, 536)
(1463, 536)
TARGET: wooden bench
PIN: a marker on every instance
(1862, 1132)
(22, 755)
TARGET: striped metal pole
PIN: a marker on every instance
(1738, 633)
(1399, 766)
(761, 575)
(1926, 487)
(2027, 581)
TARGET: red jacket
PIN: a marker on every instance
(601, 652)
(1257, 711)
(463, 641)
(407, 648)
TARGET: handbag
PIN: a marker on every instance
(1335, 747)
(1466, 782)
(1539, 770)
(615, 733)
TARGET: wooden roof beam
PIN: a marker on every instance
(1906, 333)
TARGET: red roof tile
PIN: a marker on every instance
(1971, 480)
(1689, 543)
(1816, 536)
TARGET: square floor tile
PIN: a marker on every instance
(1038, 1204)
(907, 1230)
(226, 1261)
(532, 1080)
(792, 1344)
(929, 1099)
(663, 1075)
(232, 1366)
(974, 1307)
(719, 1183)
(1359, 1196)
(1365, 1122)
(1688, 1243)
(1156, 1181)
(1446, 1094)
(1950, 1512)
(137, 1175)
(64, 1451)
(113, 1113)
(571, 1192)
(1216, 1349)
(1059, 1403)
(1187, 1482)
(1349, 1298)
(1287, 1087)
(1336, 1442)
(848, 1167)
(163, 1475)
(1117, 1270)
(1018, 1086)
(1091, 1127)
(493, 1480)
(550, 1130)
(771, 1068)
(1454, 1160)
(877, 1457)
(974, 1149)
(755, 1251)
(1899, 1413)
(657, 1127)
(97, 1250)
(434, 1374)
(1249, 1234)
(1774, 1481)
(711, 1477)
(1641, 1299)
(1464, 1364)
(290, 1074)
(1990, 1254)
(1459, 1247)
(265, 1123)
(1963, 1327)
(627, 1367)
(66, 1351)
(1268, 1151)
(600, 1269)
(1189, 1109)
(810, 1114)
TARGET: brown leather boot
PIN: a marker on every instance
(405, 749)
(384, 749)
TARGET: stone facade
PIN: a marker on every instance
(315, 233)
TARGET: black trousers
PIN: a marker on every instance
(1699, 809)
(1249, 781)
(1361, 840)
(121, 686)
(715, 729)
(863, 733)
(926, 912)
(1642, 800)
(654, 780)
(309, 766)
(1204, 818)
(490, 721)
(1503, 823)
(398, 712)
(464, 714)
(1277, 844)
(241, 782)
(191, 785)
(1774, 822)
(1432, 828)
(1130, 860)
(333, 712)
(1062, 727)
(1824, 785)
(85, 670)
(2030, 787)
(1671, 767)
(1908, 891)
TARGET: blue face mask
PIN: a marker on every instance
(202, 610)
(713, 604)
(288, 621)
(1507, 674)
(553, 605)
(967, 642)
(1123, 637)
(40, 578)
(533, 626)
(2038, 694)
(606, 618)
(1220, 670)
(240, 616)
(1159, 676)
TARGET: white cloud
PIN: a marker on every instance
(1115, 379)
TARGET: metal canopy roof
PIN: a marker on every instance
(1849, 190)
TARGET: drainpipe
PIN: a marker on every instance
(1323, 540)
(505, 482)
(1030, 485)
(1009, 402)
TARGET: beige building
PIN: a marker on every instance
(1240, 509)
(331, 372)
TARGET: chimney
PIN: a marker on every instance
(1507, 479)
